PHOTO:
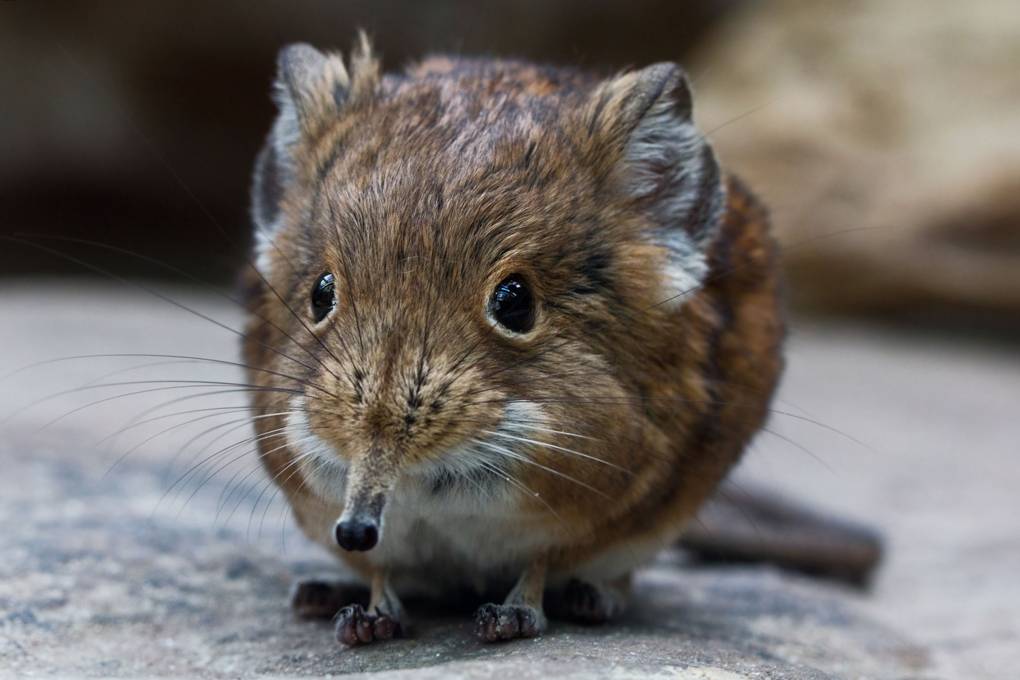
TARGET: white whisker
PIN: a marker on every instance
(524, 459)
(557, 448)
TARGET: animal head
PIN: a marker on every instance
(474, 265)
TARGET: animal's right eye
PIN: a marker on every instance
(323, 297)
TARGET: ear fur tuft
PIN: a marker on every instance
(365, 68)
(664, 163)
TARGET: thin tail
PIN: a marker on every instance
(742, 525)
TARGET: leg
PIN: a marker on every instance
(322, 598)
(384, 619)
(520, 615)
(589, 603)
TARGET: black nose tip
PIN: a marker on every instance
(357, 534)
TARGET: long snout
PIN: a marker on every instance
(370, 479)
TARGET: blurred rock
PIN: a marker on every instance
(885, 137)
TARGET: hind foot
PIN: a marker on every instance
(322, 599)
(587, 603)
(520, 615)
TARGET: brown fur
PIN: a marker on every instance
(425, 190)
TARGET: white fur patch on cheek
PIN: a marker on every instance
(685, 268)
(519, 414)
(487, 454)
(324, 471)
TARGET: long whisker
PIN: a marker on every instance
(192, 397)
(174, 384)
(167, 430)
(524, 459)
(259, 457)
(256, 468)
(304, 325)
(799, 447)
(205, 285)
(824, 426)
(516, 483)
(271, 240)
(24, 241)
(154, 151)
(216, 410)
(285, 508)
(279, 485)
(253, 440)
(244, 442)
(232, 426)
(296, 460)
(527, 426)
(557, 448)
(182, 357)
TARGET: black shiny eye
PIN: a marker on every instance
(512, 305)
(323, 296)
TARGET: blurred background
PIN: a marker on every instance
(884, 136)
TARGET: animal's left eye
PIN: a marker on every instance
(512, 305)
(323, 297)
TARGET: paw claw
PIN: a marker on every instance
(355, 626)
(496, 622)
(385, 628)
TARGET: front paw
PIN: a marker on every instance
(496, 622)
(355, 626)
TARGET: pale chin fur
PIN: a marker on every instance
(324, 472)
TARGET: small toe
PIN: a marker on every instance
(355, 626)
(385, 628)
(497, 622)
(347, 625)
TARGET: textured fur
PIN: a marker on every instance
(572, 451)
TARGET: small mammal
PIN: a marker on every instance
(512, 325)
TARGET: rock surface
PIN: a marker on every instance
(94, 582)
(106, 573)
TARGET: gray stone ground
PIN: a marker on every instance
(107, 574)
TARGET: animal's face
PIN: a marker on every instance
(471, 259)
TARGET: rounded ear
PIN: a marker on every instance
(665, 165)
(314, 86)
(311, 85)
(311, 90)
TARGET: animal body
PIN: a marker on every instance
(511, 325)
